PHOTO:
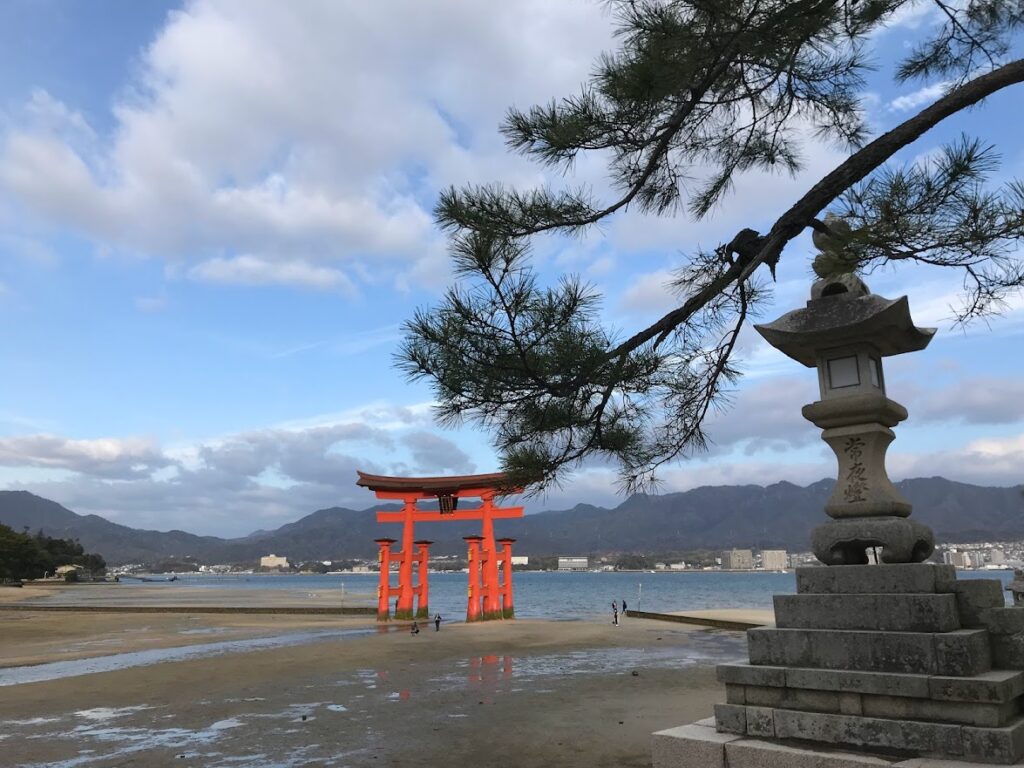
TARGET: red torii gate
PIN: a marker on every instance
(487, 596)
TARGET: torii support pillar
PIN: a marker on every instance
(422, 589)
(473, 589)
(492, 597)
(384, 587)
(405, 588)
(508, 610)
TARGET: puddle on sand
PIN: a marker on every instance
(61, 669)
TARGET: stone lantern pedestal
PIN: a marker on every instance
(867, 665)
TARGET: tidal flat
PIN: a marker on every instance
(273, 691)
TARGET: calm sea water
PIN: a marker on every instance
(552, 595)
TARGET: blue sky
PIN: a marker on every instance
(214, 217)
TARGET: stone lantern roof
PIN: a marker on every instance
(844, 311)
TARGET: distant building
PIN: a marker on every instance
(774, 559)
(520, 560)
(677, 566)
(738, 560)
(274, 561)
(956, 559)
(573, 564)
(997, 557)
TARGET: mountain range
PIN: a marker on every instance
(710, 517)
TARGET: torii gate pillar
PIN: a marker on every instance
(473, 589)
(384, 557)
(422, 589)
(508, 611)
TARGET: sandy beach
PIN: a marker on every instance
(238, 690)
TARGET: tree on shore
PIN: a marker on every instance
(699, 92)
(24, 556)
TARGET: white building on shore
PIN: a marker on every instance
(774, 559)
(274, 561)
(574, 564)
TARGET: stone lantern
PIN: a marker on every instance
(844, 331)
(866, 666)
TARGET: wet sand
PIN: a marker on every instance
(522, 693)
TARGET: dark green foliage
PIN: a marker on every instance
(633, 562)
(23, 556)
(698, 92)
(939, 212)
(20, 556)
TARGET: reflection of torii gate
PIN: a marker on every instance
(488, 598)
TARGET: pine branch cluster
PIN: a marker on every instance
(698, 92)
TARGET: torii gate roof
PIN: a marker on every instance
(497, 481)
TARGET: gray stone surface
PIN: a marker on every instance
(996, 686)
(995, 745)
(690, 746)
(974, 597)
(852, 681)
(956, 712)
(731, 718)
(886, 612)
(742, 673)
(846, 541)
(1008, 651)
(761, 722)
(753, 753)
(900, 578)
(988, 714)
(936, 738)
(1003, 621)
(792, 698)
(963, 652)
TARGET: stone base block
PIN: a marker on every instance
(690, 746)
(961, 653)
(975, 597)
(697, 746)
(902, 578)
(882, 612)
(1000, 686)
(997, 745)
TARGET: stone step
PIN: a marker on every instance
(974, 597)
(990, 715)
(1004, 745)
(900, 578)
(994, 687)
(884, 612)
(961, 653)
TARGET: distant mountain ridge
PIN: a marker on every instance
(714, 517)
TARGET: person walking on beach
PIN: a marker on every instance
(415, 629)
(437, 623)
(615, 613)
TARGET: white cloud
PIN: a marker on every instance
(273, 143)
(649, 293)
(252, 270)
(277, 474)
(916, 98)
(120, 458)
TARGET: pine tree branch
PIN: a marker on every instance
(849, 172)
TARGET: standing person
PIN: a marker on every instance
(615, 613)
(623, 608)
(437, 623)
